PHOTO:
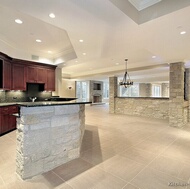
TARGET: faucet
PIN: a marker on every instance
(33, 98)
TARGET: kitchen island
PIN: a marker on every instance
(48, 134)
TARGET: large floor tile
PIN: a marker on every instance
(152, 146)
(153, 179)
(130, 186)
(72, 169)
(96, 179)
(138, 155)
(1, 182)
(171, 166)
(97, 155)
(122, 167)
(179, 150)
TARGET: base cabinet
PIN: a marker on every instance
(7, 120)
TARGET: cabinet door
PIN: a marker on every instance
(12, 119)
(12, 122)
(4, 123)
(5, 74)
(42, 75)
(18, 77)
(50, 85)
(0, 125)
(32, 74)
(4, 120)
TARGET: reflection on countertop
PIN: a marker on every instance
(48, 103)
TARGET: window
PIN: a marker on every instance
(132, 91)
(82, 90)
(105, 90)
(156, 90)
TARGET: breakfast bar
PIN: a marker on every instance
(48, 134)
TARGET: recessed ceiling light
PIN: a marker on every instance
(81, 40)
(51, 15)
(50, 52)
(153, 56)
(38, 40)
(18, 21)
(76, 60)
(117, 63)
(84, 53)
(183, 32)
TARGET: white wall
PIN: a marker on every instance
(68, 88)
(64, 87)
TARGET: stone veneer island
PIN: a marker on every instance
(48, 134)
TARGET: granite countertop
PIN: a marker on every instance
(152, 98)
(47, 103)
(8, 104)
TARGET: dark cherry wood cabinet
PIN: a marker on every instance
(16, 73)
(12, 118)
(7, 120)
(50, 85)
(42, 75)
(4, 120)
(5, 74)
(32, 74)
(18, 77)
(36, 74)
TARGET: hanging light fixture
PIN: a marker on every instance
(126, 82)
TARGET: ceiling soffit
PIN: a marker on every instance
(143, 4)
(152, 12)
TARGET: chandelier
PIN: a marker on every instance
(126, 82)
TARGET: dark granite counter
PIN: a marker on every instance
(147, 98)
(7, 104)
(47, 103)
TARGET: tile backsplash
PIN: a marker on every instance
(23, 96)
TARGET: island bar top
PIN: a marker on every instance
(47, 103)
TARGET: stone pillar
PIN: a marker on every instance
(165, 89)
(145, 90)
(187, 84)
(112, 93)
(187, 91)
(176, 102)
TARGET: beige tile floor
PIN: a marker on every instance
(118, 151)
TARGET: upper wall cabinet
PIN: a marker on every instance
(18, 77)
(5, 72)
(15, 73)
(50, 85)
(36, 74)
(39, 73)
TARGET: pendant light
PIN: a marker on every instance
(126, 82)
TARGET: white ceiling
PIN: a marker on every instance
(110, 35)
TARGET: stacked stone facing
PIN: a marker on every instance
(47, 137)
(112, 93)
(177, 113)
(153, 108)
